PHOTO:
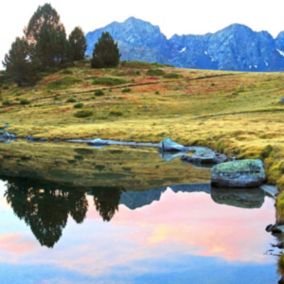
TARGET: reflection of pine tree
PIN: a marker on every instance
(78, 205)
(45, 210)
(107, 201)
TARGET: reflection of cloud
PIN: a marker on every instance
(181, 223)
(200, 226)
(15, 245)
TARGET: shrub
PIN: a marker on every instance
(172, 76)
(99, 93)
(78, 105)
(83, 113)
(126, 90)
(6, 102)
(116, 113)
(108, 81)
(155, 72)
(63, 83)
(24, 102)
(71, 100)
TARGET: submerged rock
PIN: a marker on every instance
(204, 156)
(168, 145)
(242, 173)
(238, 197)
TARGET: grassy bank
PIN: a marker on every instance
(236, 113)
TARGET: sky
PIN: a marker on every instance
(173, 16)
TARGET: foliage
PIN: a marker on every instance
(51, 47)
(99, 93)
(106, 53)
(126, 90)
(63, 82)
(78, 105)
(155, 72)
(172, 76)
(108, 81)
(19, 63)
(24, 102)
(77, 44)
(83, 113)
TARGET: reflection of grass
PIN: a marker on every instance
(237, 113)
(83, 166)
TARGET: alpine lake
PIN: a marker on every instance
(72, 213)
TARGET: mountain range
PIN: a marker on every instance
(236, 47)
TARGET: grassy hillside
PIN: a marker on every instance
(236, 113)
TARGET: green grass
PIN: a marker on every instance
(233, 112)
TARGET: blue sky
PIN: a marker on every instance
(179, 16)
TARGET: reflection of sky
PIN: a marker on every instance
(183, 238)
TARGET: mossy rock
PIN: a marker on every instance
(239, 174)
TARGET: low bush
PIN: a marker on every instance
(108, 81)
(155, 72)
(78, 105)
(83, 113)
(24, 102)
(99, 93)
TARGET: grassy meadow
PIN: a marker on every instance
(237, 113)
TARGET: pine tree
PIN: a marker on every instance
(106, 52)
(19, 63)
(77, 44)
(48, 35)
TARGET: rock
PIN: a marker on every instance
(99, 142)
(238, 197)
(242, 173)
(269, 228)
(270, 190)
(5, 135)
(168, 145)
(281, 101)
(207, 157)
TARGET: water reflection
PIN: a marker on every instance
(45, 207)
(45, 210)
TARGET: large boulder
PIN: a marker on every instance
(242, 173)
(168, 145)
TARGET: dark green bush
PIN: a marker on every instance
(126, 90)
(78, 105)
(24, 102)
(99, 93)
(83, 113)
(155, 72)
(172, 76)
(71, 100)
(108, 81)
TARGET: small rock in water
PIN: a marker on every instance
(240, 174)
(168, 145)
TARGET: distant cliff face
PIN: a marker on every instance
(236, 47)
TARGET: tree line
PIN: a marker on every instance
(45, 47)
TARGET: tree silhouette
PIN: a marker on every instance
(106, 53)
(19, 63)
(106, 201)
(44, 208)
(77, 44)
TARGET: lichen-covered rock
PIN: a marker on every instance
(168, 145)
(242, 173)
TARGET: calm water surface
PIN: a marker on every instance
(56, 232)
